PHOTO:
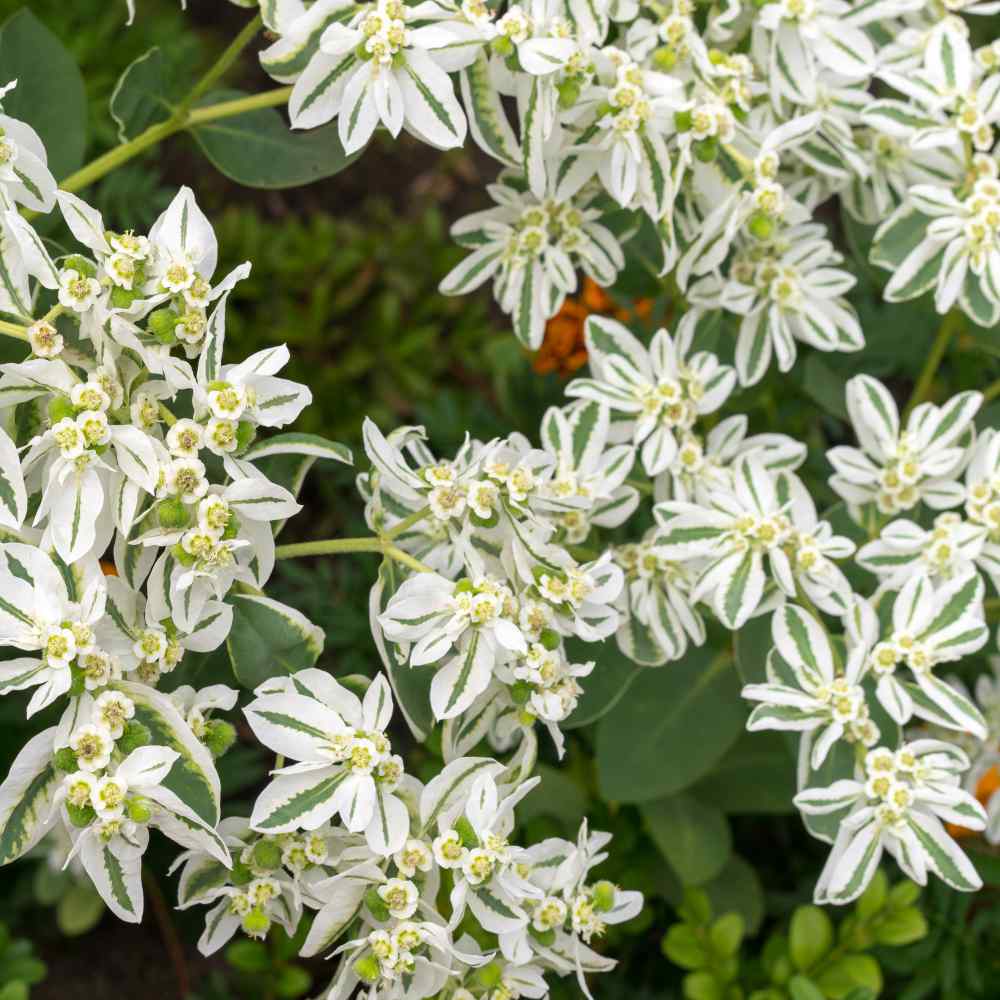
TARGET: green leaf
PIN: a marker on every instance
(847, 974)
(756, 776)
(269, 639)
(613, 675)
(79, 910)
(726, 933)
(259, 149)
(751, 644)
(810, 936)
(139, 98)
(902, 927)
(50, 94)
(557, 795)
(248, 956)
(737, 889)
(193, 778)
(26, 797)
(684, 948)
(675, 724)
(800, 988)
(692, 836)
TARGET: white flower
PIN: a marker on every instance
(661, 390)
(897, 468)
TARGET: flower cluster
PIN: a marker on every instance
(139, 519)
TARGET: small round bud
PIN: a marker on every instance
(256, 923)
(490, 975)
(569, 93)
(266, 854)
(521, 692)
(526, 718)
(80, 815)
(139, 810)
(682, 121)
(706, 150)
(172, 514)
(60, 408)
(161, 325)
(367, 969)
(219, 736)
(604, 895)
(65, 760)
(136, 735)
(241, 874)
(760, 226)
(665, 58)
(549, 639)
(502, 46)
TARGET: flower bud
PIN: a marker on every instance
(682, 121)
(80, 815)
(367, 969)
(219, 736)
(706, 150)
(266, 854)
(665, 58)
(761, 226)
(65, 760)
(172, 514)
(490, 975)
(569, 93)
(161, 325)
(521, 692)
(603, 895)
(139, 810)
(502, 46)
(256, 923)
(549, 639)
(464, 586)
(136, 735)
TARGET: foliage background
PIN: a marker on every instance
(345, 271)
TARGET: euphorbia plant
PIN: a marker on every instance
(637, 517)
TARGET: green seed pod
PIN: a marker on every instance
(368, 969)
(172, 514)
(549, 639)
(760, 226)
(682, 120)
(266, 854)
(604, 896)
(232, 528)
(256, 923)
(161, 325)
(544, 938)
(184, 558)
(706, 150)
(136, 735)
(569, 93)
(521, 692)
(80, 815)
(490, 975)
(241, 874)
(464, 586)
(65, 759)
(219, 736)
(665, 58)
(502, 46)
(139, 810)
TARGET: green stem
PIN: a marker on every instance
(991, 391)
(14, 330)
(640, 485)
(166, 416)
(950, 325)
(336, 546)
(215, 72)
(408, 522)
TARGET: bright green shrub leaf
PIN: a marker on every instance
(675, 724)
(692, 836)
(810, 936)
(726, 934)
(901, 927)
(847, 974)
(702, 986)
(800, 988)
(684, 948)
(79, 910)
(259, 149)
(139, 100)
(270, 639)
(50, 95)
